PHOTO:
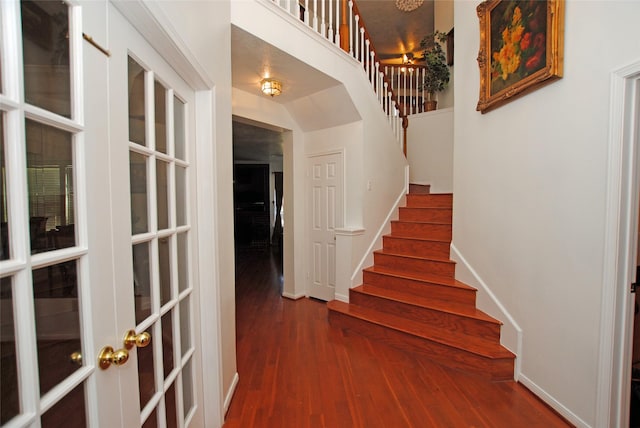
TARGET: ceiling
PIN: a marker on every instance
(392, 33)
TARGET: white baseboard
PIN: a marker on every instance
(293, 296)
(230, 392)
(511, 333)
(555, 404)
(342, 298)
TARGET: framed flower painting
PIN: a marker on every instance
(521, 48)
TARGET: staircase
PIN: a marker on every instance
(411, 300)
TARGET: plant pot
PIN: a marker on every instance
(430, 105)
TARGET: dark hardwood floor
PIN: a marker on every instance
(298, 371)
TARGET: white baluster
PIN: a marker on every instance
(357, 36)
(391, 75)
(385, 104)
(315, 15)
(378, 73)
(410, 91)
(323, 24)
(380, 90)
(351, 27)
(338, 22)
(404, 85)
(362, 57)
(398, 77)
(417, 88)
(379, 77)
(330, 31)
(367, 62)
(306, 12)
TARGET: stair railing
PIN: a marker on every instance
(406, 83)
(340, 23)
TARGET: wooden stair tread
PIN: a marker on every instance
(435, 223)
(415, 238)
(424, 277)
(409, 256)
(453, 308)
(419, 238)
(432, 194)
(474, 345)
(438, 198)
(445, 214)
(419, 189)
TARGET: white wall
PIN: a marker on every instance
(430, 149)
(443, 21)
(529, 197)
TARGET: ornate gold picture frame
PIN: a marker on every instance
(521, 48)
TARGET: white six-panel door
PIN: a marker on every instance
(325, 202)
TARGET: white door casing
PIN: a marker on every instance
(614, 373)
(325, 177)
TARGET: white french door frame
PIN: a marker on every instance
(621, 234)
(149, 20)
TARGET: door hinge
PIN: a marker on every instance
(633, 287)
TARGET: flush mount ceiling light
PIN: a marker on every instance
(271, 87)
(408, 5)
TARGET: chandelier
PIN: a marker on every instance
(408, 5)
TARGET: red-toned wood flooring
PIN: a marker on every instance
(296, 370)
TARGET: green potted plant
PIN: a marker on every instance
(436, 75)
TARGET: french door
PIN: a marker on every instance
(99, 320)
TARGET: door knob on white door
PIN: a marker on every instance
(132, 339)
(108, 356)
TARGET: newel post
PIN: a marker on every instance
(344, 28)
(344, 260)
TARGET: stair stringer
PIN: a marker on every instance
(487, 301)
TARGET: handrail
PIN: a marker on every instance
(340, 22)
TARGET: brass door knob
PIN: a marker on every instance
(132, 339)
(76, 358)
(108, 356)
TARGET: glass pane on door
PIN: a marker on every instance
(68, 412)
(10, 403)
(137, 104)
(161, 117)
(162, 193)
(45, 45)
(139, 210)
(5, 248)
(50, 179)
(141, 281)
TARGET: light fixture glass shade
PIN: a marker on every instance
(408, 5)
(271, 87)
